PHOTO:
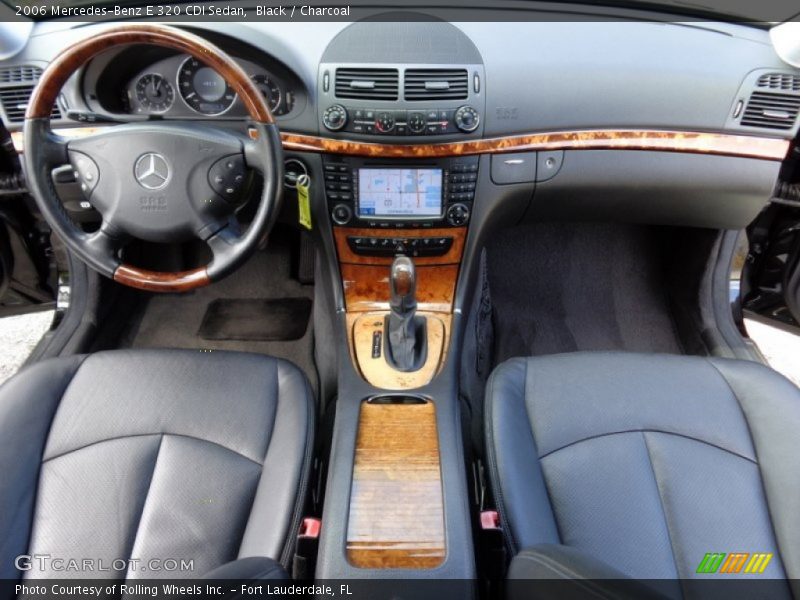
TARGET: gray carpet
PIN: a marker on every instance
(565, 287)
(173, 321)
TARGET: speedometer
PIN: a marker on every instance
(203, 89)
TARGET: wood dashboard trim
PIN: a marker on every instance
(592, 139)
(396, 518)
(692, 142)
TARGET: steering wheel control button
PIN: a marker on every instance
(86, 172)
(457, 215)
(467, 119)
(335, 117)
(341, 214)
(152, 171)
(227, 177)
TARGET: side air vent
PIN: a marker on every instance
(15, 102)
(436, 84)
(771, 110)
(23, 74)
(367, 84)
(779, 81)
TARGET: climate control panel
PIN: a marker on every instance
(381, 121)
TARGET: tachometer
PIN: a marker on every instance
(203, 89)
(270, 90)
(154, 93)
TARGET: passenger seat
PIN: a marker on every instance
(612, 465)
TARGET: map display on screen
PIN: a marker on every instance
(399, 192)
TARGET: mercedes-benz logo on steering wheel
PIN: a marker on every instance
(151, 171)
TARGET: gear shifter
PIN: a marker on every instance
(405, 331)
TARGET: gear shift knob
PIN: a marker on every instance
(403, 286)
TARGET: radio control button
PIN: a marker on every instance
(457, 215)
(341, 214)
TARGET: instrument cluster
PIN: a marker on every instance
(183, 86)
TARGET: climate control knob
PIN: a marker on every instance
(416, 122)
(467, 119)
(384, 122)
(334, 117)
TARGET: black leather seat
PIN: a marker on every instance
(153, 454)
(626, 465)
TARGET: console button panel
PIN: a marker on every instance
(391, 246)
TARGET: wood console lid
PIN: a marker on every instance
(396, 503)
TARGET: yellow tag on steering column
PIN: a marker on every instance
(303, 202)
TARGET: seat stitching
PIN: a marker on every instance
(135, 435)
(738, 405)
(661, 503)
(589, 585)
(767, 503)
(144, 502)
(675, 433)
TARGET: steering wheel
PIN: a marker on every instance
(158, 182)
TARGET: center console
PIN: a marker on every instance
(396, 489)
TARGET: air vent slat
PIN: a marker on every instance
(20, 74)
(368, 84)
(771, 110)
(15, 102)
(436, 84)
(779, 81)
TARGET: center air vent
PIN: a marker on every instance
(367, 84)
(771, 110)
(436, 84)
(779, 81)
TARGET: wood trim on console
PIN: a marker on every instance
(453, 256)
(593, 139)
(366, 287)
(362, 326)
(723, 144)
(396, 502)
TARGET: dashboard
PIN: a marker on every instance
(641, 120)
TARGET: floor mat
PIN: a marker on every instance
(256, 319)
(174, 320)
(565, 287)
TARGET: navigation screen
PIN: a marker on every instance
(399, 192)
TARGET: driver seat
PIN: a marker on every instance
(161, 455)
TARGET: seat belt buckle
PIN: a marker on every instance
(493, 546)
(490, 519)
(306, 549)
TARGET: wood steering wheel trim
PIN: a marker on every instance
(75, 56)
